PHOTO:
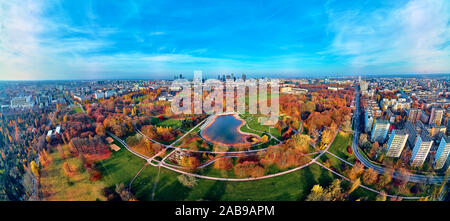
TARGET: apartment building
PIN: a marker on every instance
(396, 143)
(380, 131)
(421, 149)
(436, 116)
(442, 152)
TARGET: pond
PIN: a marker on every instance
(225, 130)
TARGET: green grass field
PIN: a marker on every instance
(120, 167)
(77, 109)
(292, 186)
(169, 123)
(57, 186)
(339, 147)
(252, 122)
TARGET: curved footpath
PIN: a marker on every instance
(313, 160)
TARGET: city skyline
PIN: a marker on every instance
(68, 40)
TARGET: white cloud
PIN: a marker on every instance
(19, 27)
(413, 38)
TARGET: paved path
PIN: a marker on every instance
(362, 186)
(132, 180)
(162, 164)
(178, 170)
(126, 146)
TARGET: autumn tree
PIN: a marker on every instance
(355, 171)
(100, 130)
(187, 181)
(332, 193)
(264, 139)
(382, 196)
(369, 176)
(34, 168)
(385, 179)
(223, 163)
(355, 185)
(301, 142)
(374, 149)
(124, 193)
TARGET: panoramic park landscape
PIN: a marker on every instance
(256, 101)
(132, 147)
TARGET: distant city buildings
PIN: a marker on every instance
(22, 102)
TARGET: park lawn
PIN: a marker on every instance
(121, 167)
(57, 186)
(174, 123)
(77, 109)
(252, 122)
(339, 147)
(292, 186)
(361, 193)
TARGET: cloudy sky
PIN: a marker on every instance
(126, 39)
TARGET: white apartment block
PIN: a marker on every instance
(380, 130)
(442, 152)
(436, 116)
(421, 149)
(396, 143)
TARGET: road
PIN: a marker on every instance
(416, 178)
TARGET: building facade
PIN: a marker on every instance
(421, 149)
(380, 131)
(396, 143)
(436, 116)
(442, 152)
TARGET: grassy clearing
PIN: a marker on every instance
(292, 186)
(170, 123)
(57, 186)
(340, 144)
(121, 167)
(252, 122)
(77, 109)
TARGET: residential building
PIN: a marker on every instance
(396, 143)
(99, 95)
(436, 116)
(380, 131)
(368, 119)
(414, 115)
(442, 152)
(421, 149)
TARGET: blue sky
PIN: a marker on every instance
(156, 39)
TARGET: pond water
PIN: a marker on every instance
(225, 130)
